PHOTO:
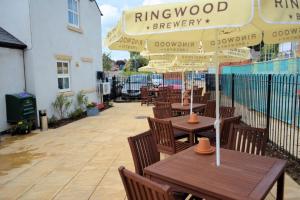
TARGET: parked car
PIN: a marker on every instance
(157, 80)
(133, 84)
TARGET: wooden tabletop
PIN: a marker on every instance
(180, 107)
(182, 124)
(240, 176)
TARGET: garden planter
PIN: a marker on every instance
(92, 111)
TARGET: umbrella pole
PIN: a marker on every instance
(192, 94)
(217, 123)
(182, 87)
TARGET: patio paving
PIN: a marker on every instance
(79, 160)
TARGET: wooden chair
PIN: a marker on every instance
(159, 104)
(175, 98)
(198, 91)
(162, 113)
(140, 188)
(248, 139)
(210, 109)
(205, 98)
(162, 95)
(144, 151)
(163, 133)
(225, 128)
(146, 98)
(224, 131)
(226, 112)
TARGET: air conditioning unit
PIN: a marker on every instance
(103, 88)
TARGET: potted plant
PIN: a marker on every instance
(22, 127)
(92, 109)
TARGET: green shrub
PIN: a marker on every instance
(77, 114)
(61, 105)
(82, 101)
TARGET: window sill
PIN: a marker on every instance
(89, 91)
(67, 93)
(75, 29)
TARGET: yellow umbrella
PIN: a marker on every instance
(218, 25)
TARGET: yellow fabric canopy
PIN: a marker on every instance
(187, 26)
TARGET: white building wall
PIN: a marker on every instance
(11, 78)
(14, 18)
(51, 37)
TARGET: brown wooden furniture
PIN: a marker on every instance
(226, 112)
(163, 133)
(241, 176)
(162, 95)
(185, 110)
(146, 97)
(224, 133)
(166, 112)
(248, 139)
(159, 104)
(174, 98)
(180, 123)
(225, 129)
(210, 109)
(143, 151)
(138, 187)
(205, 98)
(161, 113)
(198, 91)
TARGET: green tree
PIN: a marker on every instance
(136, 61)
(269, 52)
(107, 61)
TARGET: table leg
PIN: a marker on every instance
(280, 187)
(191, 138)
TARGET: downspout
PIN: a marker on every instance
(24, 68)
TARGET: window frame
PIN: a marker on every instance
(63, 75)
(74, 13)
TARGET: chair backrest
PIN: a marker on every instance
(175, 98)
(210, 109)
(144, 92)
(162, 95)
(198, 91)
(226, 112)
(162, 112)
(159, 104)
(205, 98)
(140, 188)
(248, 139)
(163, 133)
(143, 150)
(225, 128)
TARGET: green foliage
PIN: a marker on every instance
(61, 105)
(107, 61)
(269, 52)
(82, 100)
(92, 105)
(23, 127)
(136, 61)
(77, 114)
(52, 120)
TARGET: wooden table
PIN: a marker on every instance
(240, 176)
(181, 123)
(184, 110)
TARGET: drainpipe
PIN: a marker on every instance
(24, 68)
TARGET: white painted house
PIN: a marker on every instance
(63, 54)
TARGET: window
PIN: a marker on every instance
(73, 12)
(63, 76)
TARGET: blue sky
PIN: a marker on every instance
(112, 10)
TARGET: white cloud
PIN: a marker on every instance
(111, 14)
(152, 2)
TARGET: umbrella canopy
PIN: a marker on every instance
(196, 21)
(217, 25)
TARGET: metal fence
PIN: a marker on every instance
(266, 101)
(128, 87)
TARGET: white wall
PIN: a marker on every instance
(11, 78)
(14, 18)
(50, 36)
